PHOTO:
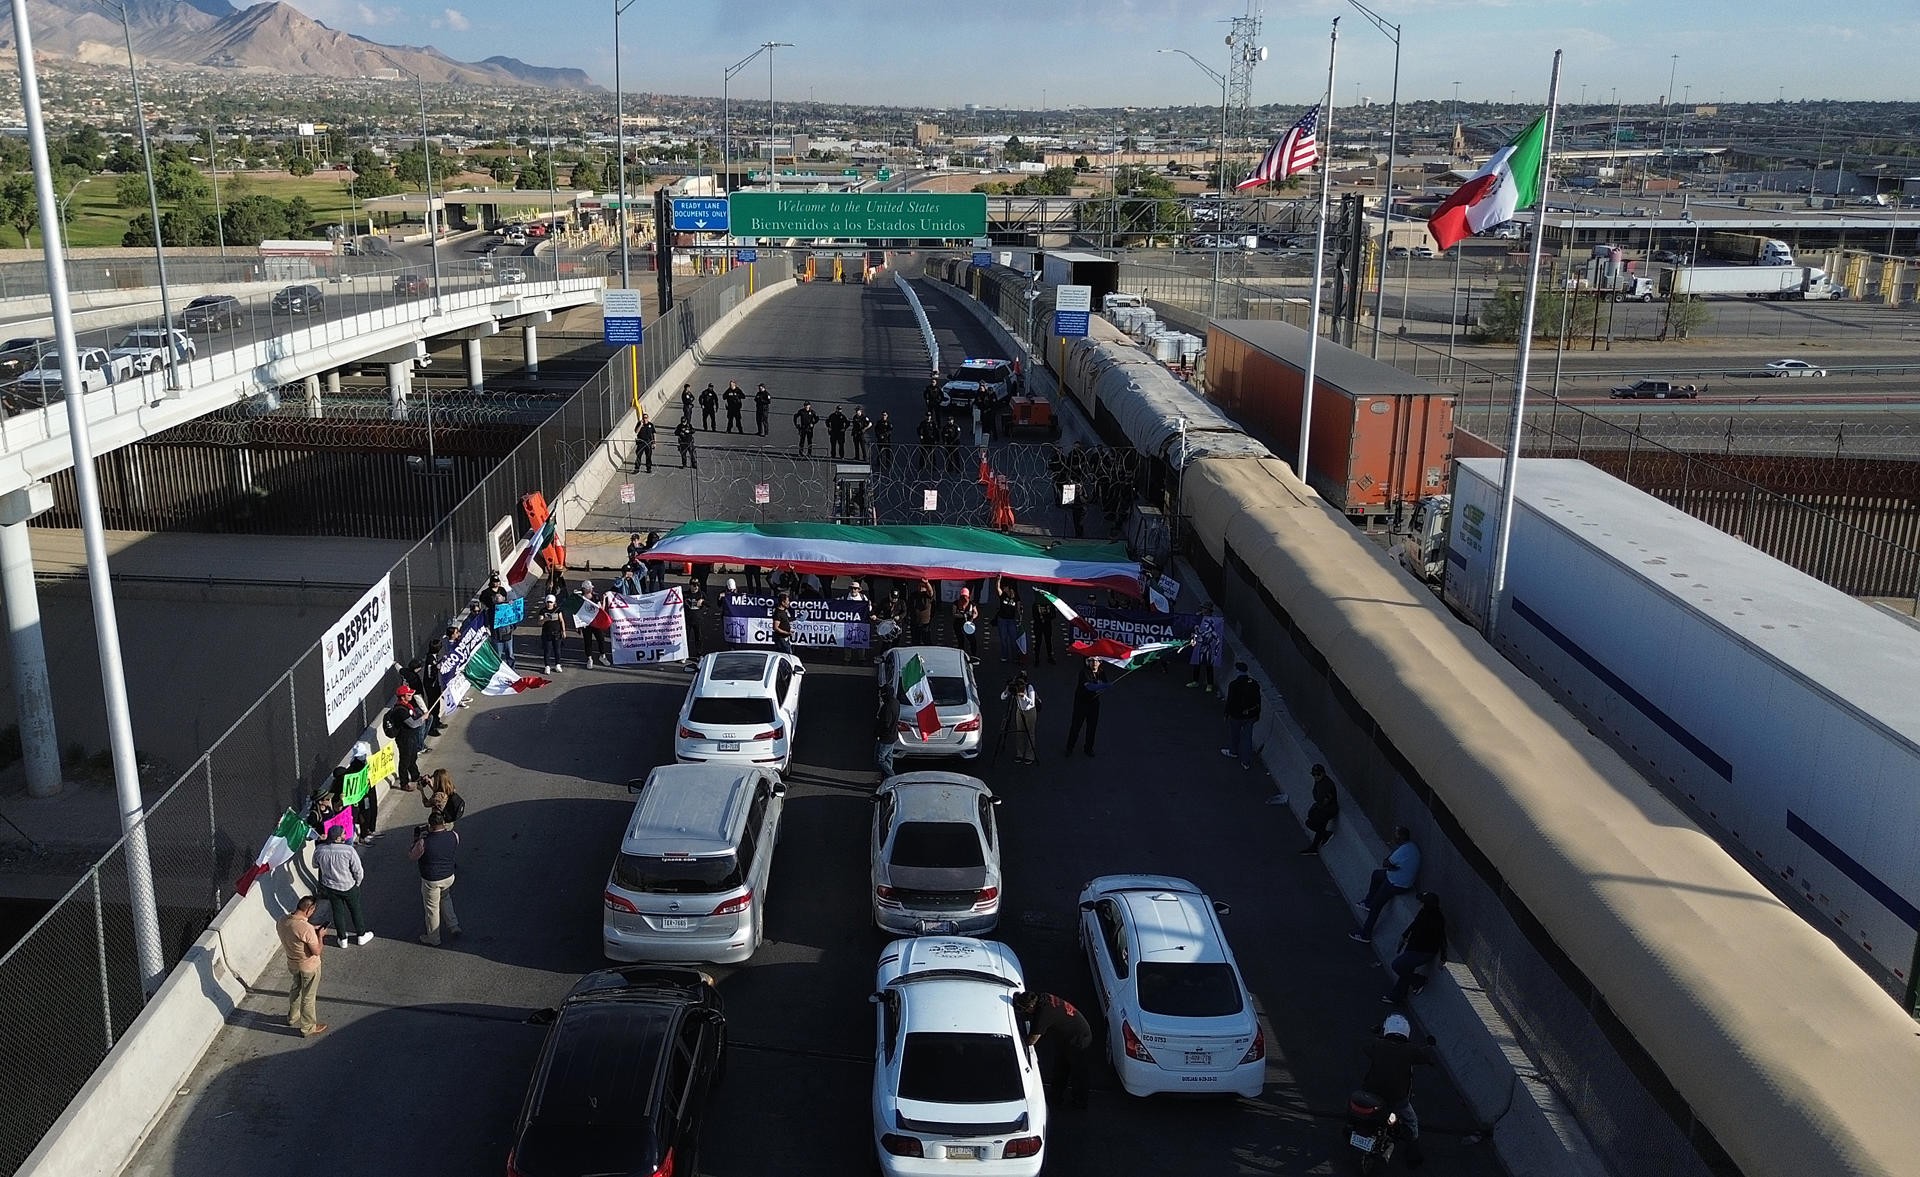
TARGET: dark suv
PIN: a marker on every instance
(621, 1083)
(410, 285)
(299, 300)
(212, 312)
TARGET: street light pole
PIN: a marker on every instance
(1386, 197)
(770, 46)
(153, 199)
(106, 624)
(1220, 179)
(213, 161)
(726, 125)
(433, 225)
(620, 139)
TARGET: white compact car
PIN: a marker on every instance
(744, 706)
(953, 1079)
(1179, 1018)
(935, 855)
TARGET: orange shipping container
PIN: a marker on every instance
(1380, 439)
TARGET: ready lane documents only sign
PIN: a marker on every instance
(936, 216)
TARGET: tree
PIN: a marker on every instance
(179, 182)
(501, 169)
(1015, 151)
(534, 176)
(374, 181)
(1500, 318)
(1685, 315)
(130, 190)
(586, 176)
(19, 205)
(1081, 163)
(253, 219)
(83, 146)
(192, 225)
(300, 165)
(125, 157)
(300, 216)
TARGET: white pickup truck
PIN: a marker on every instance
(43, 386)
(145, 348)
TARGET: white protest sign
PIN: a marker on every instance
(355, 652)
(648, 629)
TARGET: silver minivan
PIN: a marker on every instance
(690, 881)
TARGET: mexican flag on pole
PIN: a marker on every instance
(277, 851)
(490, 676)
(1125, 657)
(526, 563)
(913, 680)
(1509, 182)
(586, 614)
(1074, 620)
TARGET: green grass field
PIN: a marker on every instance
(97, 219)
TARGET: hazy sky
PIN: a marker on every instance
(1026, 53)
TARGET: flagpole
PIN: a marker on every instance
(1510, 467)
(1319, 257)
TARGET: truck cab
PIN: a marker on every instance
(45, 385)
(1423, 546)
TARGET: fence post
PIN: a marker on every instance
(213, 827)
(100, 950)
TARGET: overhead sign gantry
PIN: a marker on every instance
(926, 216)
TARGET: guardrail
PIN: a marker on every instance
(920, 316)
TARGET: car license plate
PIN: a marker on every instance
(1199, 1058)
(966, 1152)
(1363, 1142)
(675, 923)
(729, 745)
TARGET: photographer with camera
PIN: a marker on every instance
(1023, 716)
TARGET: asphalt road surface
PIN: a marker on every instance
(430, 1052)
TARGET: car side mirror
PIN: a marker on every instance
(800, 670)
(1089, 905)
(1220, 908)
(779, 788)
(873, 999)
(635, 784)
(542, 1017)
(995, 800)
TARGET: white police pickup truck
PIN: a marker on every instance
(44, 386)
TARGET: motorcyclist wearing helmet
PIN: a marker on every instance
(1390, 1074)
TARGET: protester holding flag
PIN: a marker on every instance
(590, 618)
(1041, 623)
(1087, 691)
(966, 626)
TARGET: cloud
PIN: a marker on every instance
(452, 18)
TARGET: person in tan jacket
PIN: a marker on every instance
(303, 946)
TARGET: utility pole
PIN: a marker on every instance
(620, 140)
(1386, 196)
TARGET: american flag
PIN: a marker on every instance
(1294, 153)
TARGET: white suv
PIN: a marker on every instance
(953, 1078)
(1179, 1018)
(744, 706)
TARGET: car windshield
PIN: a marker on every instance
(726, 710)
(144, 339)
(1181, 990)
(960, 1068)
(937, 844)
(676, 876)
(208, 300)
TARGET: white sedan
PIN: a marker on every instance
(1793, 368)
(1179, 1018)
(512, 274)
(744, 706)
(953, 1079)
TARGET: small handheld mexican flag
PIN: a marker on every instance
(586, 614)
(276, 851)
(490, 676)
(913, 680)
(1125, 657)
(1066, 612)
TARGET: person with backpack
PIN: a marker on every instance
(403, 723)
(439, 797)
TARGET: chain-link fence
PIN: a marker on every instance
(72, 985)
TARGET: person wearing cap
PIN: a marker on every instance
(762, 402)
(405, 721)
(494, 596)
(966, 625)
(599, 651)
(553, 631)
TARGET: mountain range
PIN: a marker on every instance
(272, 38)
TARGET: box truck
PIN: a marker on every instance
(1778, 711)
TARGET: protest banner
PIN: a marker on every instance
(356, 652)
(511, 613)
(1140, 627)
(846, 623)
(647, 629)
(452, 667)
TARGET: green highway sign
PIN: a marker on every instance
(924, 215)
(885, 174)
(849, 171)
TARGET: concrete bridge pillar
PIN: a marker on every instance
(333, 382)
(530, 343)
(399, 385)
(476, 371)
(313, 397)
(33, 700)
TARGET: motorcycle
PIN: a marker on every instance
(1373, 1131)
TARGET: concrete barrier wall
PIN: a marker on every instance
(133, 1086)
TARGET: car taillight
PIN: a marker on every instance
(1021, 1146)
(1136, 1050)
(1258, 1050)
(617, 903)
(687, 733)
(511, 1170)
(735, 905)
(885, 893)
(968, 725)
(985, 895)
(772, 733)
(902, 1146)
(666, 1166)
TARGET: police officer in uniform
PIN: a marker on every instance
(644, 434)
(762, 401)
(837, 433)
(883, 438)
(684, 432)
(735, 397)
(709, 407)
(803, 423)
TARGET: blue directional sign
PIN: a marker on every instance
(1070, 324)
(746, 255)
(983, 258)
(1072, 307)
(700, 214)
(620, 318)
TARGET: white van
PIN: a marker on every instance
(690, 881)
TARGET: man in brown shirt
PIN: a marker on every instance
(302, 942)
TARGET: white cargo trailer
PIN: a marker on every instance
(1779, 711)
